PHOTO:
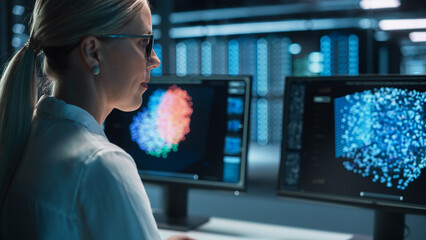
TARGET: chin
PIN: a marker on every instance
(131, 106)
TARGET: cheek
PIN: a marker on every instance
(126, 70)
(136, 70)
(127, 59)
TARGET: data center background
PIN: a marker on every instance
(268, 39)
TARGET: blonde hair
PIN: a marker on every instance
(57, 27)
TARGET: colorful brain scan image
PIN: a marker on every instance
(164, 123)
(380, 134)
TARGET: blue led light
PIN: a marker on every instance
(325, 44)
(18, 10)
(181, 59)
(262, 67)
(220, 57)
(233, 57)
(155, 19)
(315, 67)
(316, 57)
(262, 27)
(193, 56)
(206, 58)
(19, 40)
(295, 48)
(262, 122)
(342, 57)
(353, 45)
(18, 28)
(287, 60)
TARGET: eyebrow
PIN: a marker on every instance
(147, 32)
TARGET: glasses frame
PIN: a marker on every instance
(149, 46)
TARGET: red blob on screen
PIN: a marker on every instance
(174, 115)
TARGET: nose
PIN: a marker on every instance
(154, 61)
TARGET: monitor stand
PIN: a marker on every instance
(388, 225)
(175, 215)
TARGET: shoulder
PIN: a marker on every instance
(111, 202)
(110, 158)
(109, 173)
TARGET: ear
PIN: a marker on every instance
(90, 51)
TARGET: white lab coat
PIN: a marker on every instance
(74, 184)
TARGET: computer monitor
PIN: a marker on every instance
(189, 132)
(357, 140)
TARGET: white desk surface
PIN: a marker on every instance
(226, 229)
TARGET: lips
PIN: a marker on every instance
(144, 83)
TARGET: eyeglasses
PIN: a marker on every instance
(150, 38)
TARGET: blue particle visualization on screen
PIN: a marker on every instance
(380, 134)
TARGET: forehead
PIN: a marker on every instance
(140, 23)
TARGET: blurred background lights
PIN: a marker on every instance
(18, 41)
(18, 28)
(381, 36)
(366, 23)
(418, 36)
(18, 10)
(316, 67)
(155, 19)
(401, 24)
(316, 57)
(294, 48)
(376, 4)
(316, 60)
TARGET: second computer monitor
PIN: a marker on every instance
(357, 140)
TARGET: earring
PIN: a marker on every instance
(96, 70)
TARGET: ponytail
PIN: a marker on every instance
(17, 101)
(50, 32)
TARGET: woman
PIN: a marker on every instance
(60, 177)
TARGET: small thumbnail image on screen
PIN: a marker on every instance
(235, 105)
(234, 125)
(163, 124)
(380, 135)
(231, 169)
(232, 145)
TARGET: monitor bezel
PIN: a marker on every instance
(340, 199)
(241, 185)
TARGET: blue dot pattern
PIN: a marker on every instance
(380, 134)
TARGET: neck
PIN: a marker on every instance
(82, 92)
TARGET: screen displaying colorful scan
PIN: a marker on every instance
(187, 130)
